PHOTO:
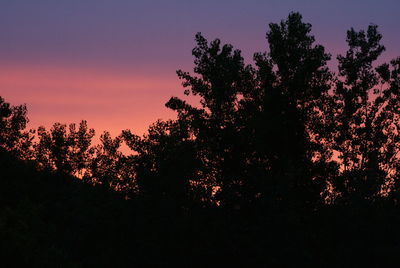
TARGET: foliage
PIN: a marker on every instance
(66, 151)
(13, 136)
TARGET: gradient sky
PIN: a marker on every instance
(113, 62)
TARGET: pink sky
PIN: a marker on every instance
(107, 100)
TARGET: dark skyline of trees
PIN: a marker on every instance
(286, 130)
(284, 149)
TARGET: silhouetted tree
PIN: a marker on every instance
(67, 151)
(367, 119)
(222, 78)
(107, 167)
(390, 153)
(291, 112)
(13, 136)
(80, 149)
(165, 162)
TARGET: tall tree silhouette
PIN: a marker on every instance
(220, 81)
(367, 118)
(292, 113)
(390, 153)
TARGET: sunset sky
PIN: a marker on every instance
(113, 62)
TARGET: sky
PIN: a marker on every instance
(113, 62)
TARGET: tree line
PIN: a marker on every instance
(284, 132)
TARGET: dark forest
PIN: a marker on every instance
(281, 163)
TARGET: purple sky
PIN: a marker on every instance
(113, 62)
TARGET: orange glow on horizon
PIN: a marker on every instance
(107, 100)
